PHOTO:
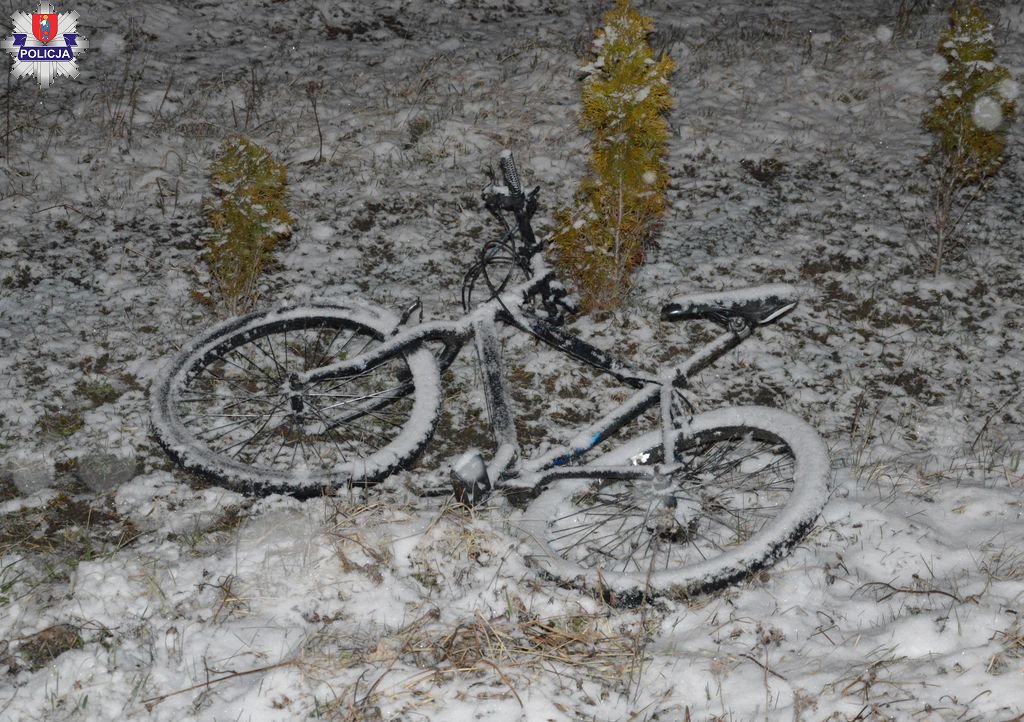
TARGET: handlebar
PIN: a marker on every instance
(519, 243)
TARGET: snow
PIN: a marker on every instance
(183, 600)
(1009, 89)
(987, 113)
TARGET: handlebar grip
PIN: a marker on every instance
(510, 173)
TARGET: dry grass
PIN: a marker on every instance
(1011, 641)
(382, 672)
(586, 643)
(487, 657)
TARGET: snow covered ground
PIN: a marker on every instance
(130, 591)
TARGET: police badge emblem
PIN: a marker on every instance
(45, 44)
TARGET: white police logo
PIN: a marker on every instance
(45, 43)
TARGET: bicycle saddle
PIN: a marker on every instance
(755, 305)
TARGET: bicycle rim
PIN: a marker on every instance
(746, 486)
(230, 410)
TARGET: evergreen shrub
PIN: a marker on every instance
(601, 239)
(975, 104)
(248, 219)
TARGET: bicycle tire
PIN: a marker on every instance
(751, 482)
(223, 408)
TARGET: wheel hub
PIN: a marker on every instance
(296, 397)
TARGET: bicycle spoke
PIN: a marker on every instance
(240, 403)
(324, 354)
(240, 445)
(721, 493)
(335, 441)
(251, 364)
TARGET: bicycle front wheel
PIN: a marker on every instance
(228, 408)
(746, 486)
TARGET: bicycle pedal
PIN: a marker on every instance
(470, 482)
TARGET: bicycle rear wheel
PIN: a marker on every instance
(227, 406)
(747, 485)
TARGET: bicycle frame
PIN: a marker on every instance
(738, 315)
(510, 309)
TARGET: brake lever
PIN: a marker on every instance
(531, 202)
(499, 201)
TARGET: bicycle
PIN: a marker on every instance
(308, 399)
